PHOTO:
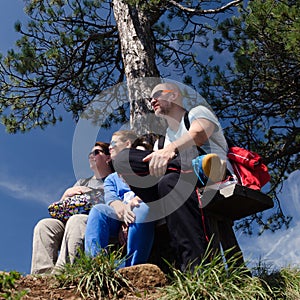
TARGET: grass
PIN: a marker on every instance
(95, 277)
(7, 286)
(99, 278)
(284, 283)
(218, 281)
(215, 280)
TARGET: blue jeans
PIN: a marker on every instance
(103, 224)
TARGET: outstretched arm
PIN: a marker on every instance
(199, 132)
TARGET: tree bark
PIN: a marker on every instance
(138, 54)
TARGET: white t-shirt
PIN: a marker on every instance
(215, 144)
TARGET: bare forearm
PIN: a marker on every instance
(198, 134)
(75, 190)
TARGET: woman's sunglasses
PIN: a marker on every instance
(96, 152)
(113, 144)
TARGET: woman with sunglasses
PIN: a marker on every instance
(56, 243)
(105, 220)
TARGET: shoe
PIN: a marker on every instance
(209, 167)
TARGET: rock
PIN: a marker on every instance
(144, 276)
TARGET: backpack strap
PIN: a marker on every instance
(200, 150)
(186, 120)
(161, 139)
(187, 126)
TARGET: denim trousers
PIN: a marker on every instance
(103, 224)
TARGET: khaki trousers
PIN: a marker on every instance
(55, 244)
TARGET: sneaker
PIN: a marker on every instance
(209, 167)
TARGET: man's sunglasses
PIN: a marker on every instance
(158, 93)
(96, 152)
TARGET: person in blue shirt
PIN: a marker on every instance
(121, 206)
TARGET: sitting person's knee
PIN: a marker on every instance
(47, 223)
(76, 219)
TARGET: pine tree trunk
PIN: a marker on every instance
(138, 54)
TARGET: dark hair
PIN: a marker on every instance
(146, 140)
(104, 147)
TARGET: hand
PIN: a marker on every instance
(135, 202)
(129, 215)
(75, 190)
(158, 160)
(119, 208)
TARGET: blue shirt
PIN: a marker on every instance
(114, 188)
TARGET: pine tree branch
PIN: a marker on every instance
(205, 11)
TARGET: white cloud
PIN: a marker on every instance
(281, 248)
(291, 193)
(20, 189)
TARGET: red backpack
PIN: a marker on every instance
(247, 165)
(248, 168)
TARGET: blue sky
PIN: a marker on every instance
(37, 167)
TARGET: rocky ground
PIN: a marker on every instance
(147, 281)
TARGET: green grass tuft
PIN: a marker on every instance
(96, 277)
(284, 283)
(7, 286)
(215, 280)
